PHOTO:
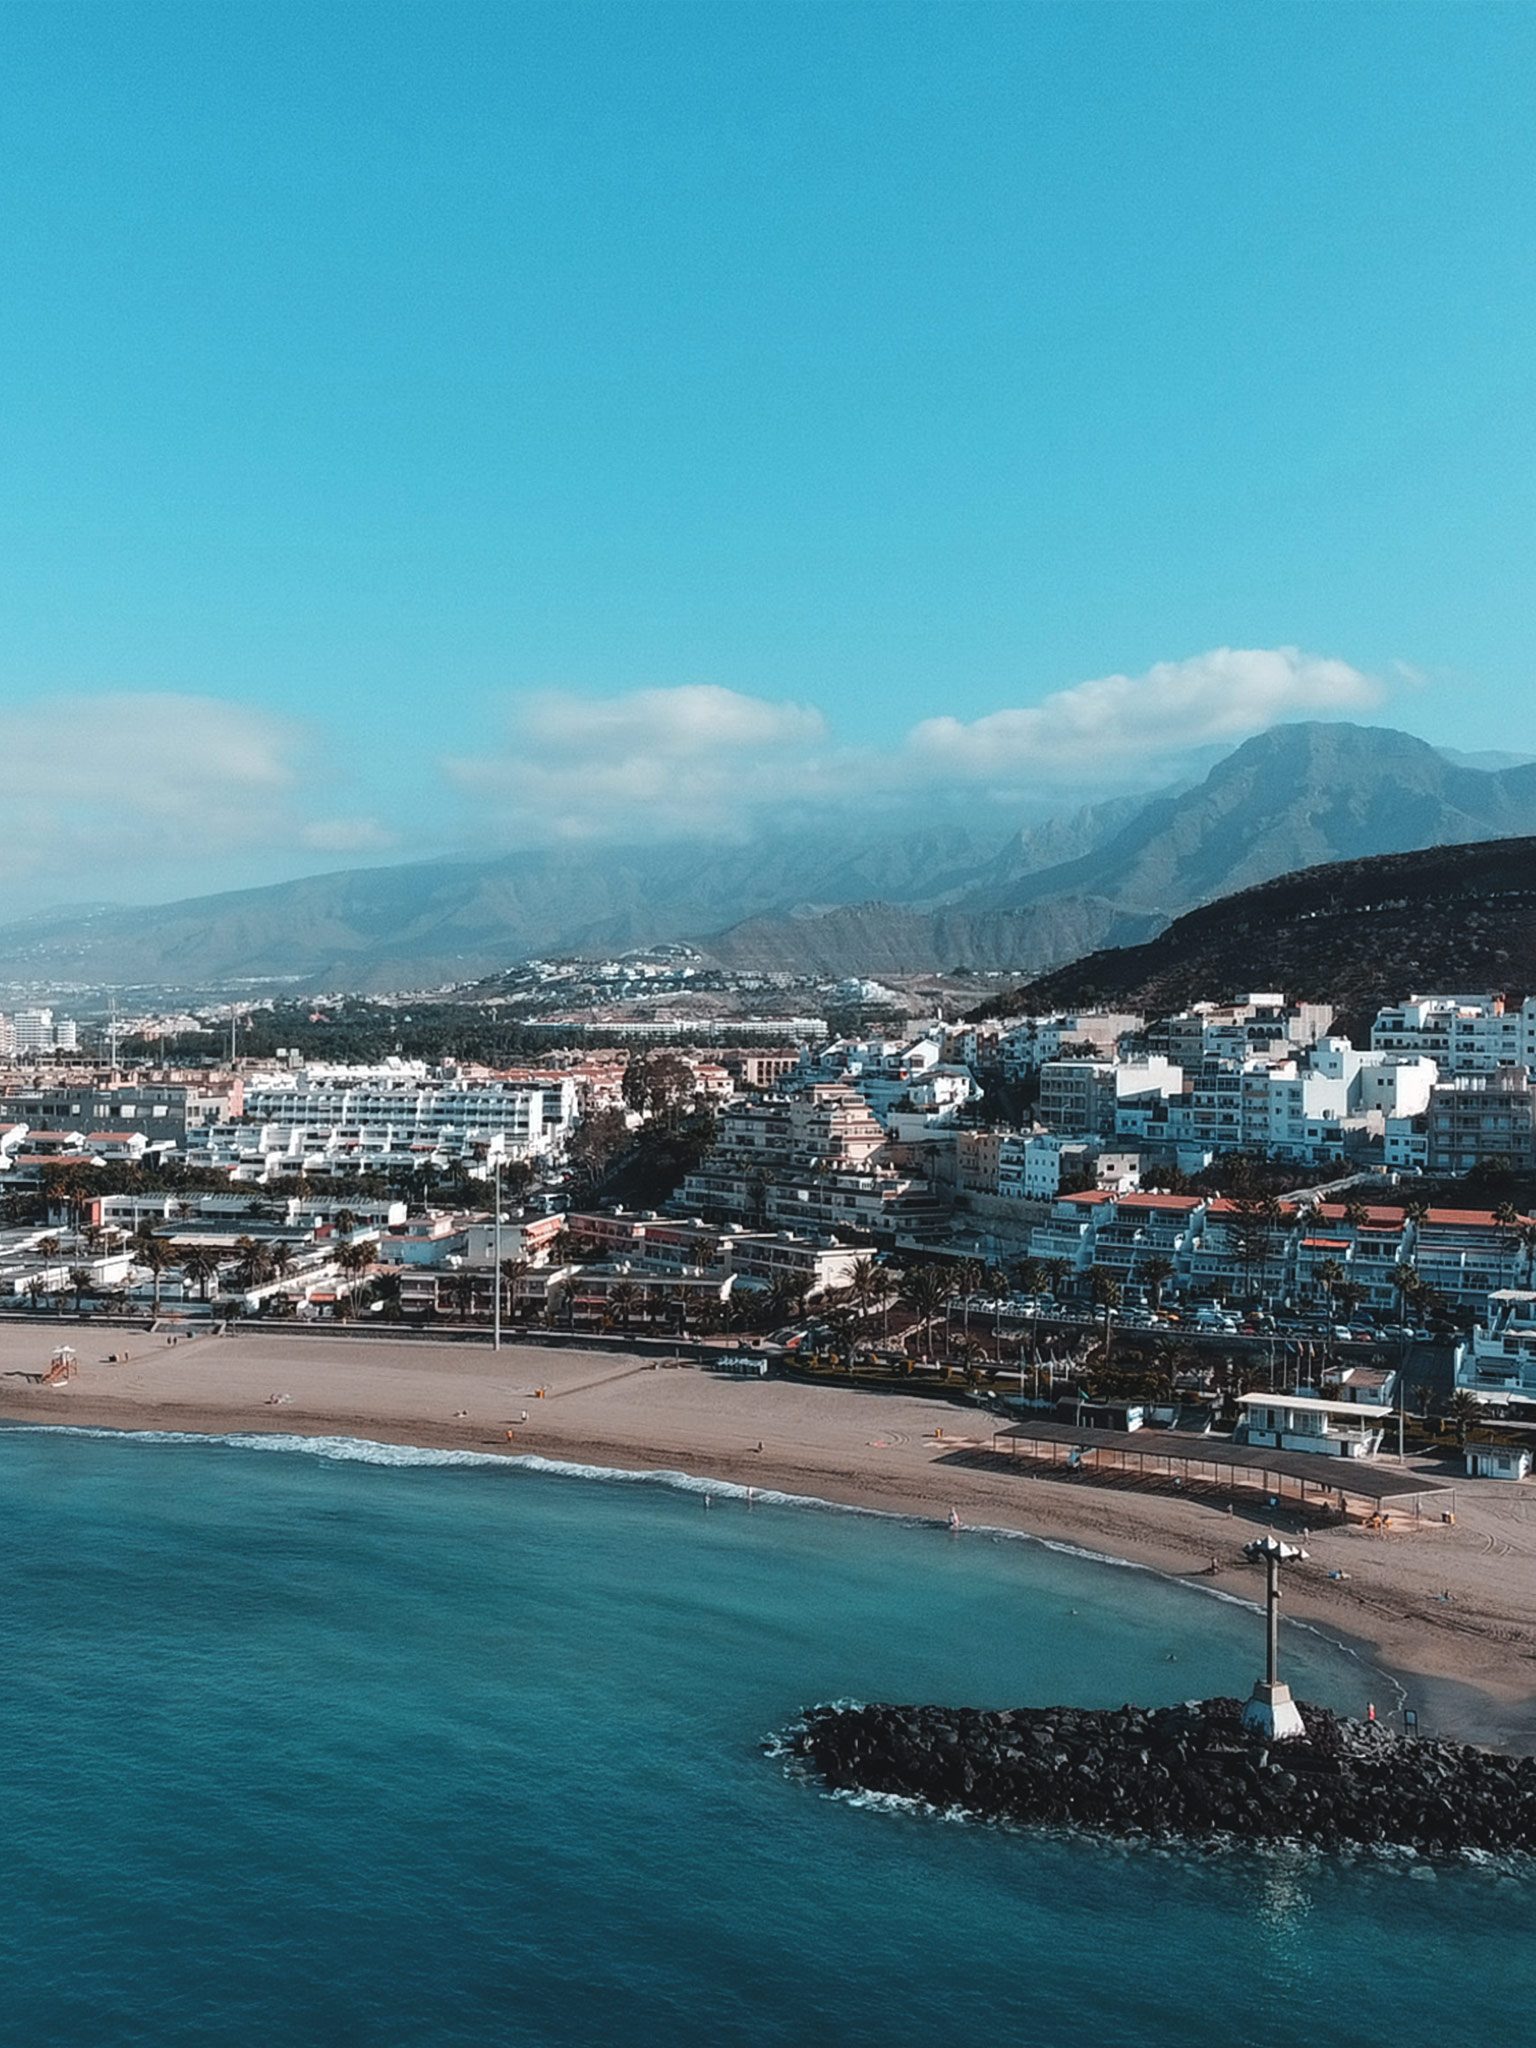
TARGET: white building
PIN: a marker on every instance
(1307, 1422)
(1498, 1366)
(1463, 1034)
(392, 1118)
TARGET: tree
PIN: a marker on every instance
(200, 1265)
(623, 1298)
(1031, 1276)
(1464, 1411)
(512, 1271)
(1156, 1271)
(661, 1085)
(1255, 1221)
(79, 1279)
(1104, 1289)
(924, 1289)
(595, 1144)
(1328, 1274)
(154, 1255)
(963, 1279)
(1406, 1285)
(354, 1260)
(253, 1265)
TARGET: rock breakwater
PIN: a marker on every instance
(1190, 1773)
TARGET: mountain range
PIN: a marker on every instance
(859, 898)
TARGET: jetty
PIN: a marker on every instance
(1194, 1773)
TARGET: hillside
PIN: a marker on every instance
(433, 922)
(1353, 933)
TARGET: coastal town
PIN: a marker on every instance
(1232, 1220)
(768, 1025)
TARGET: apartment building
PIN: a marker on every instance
(397, 1118)
(1029, 1042)
(1463, 1034)
(163, 1110)
(1264, 1024)
(1482, 1116)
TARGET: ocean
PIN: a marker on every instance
(315, 1743)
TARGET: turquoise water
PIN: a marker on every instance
(300, 1750)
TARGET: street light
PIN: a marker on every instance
(1270, 1710)
(496, 1254)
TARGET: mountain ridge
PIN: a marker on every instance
(863, 896)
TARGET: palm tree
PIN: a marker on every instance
(255, 1262)
(1104, 1289)
(1464, 1411)
(79, 1280)
(154, 1255)
(200, 1264)
(924, 1289)
(512, 1271)
(1157, 1271)
(1328, 1274)
(281, 1255)
(623, 1298)
(1406, 1284)
(867, 1287)
(355, 1259)
(1349, 1294)
(1031, 1276)
(1056, 1271)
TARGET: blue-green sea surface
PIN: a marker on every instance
(324, 1744)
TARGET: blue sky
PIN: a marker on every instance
(439, 426)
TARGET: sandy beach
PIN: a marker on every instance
(1468, 1661)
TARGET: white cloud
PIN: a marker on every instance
(701, 761)
(1102, 726)
(123, 793)
(348, 835)
(697, 760)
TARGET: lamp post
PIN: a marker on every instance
(496, 1254)
(1270, 1710)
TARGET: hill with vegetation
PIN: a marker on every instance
(1352, 933)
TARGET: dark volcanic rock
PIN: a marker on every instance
(1191, 1772)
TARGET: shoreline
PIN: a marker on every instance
(1466, 1663)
